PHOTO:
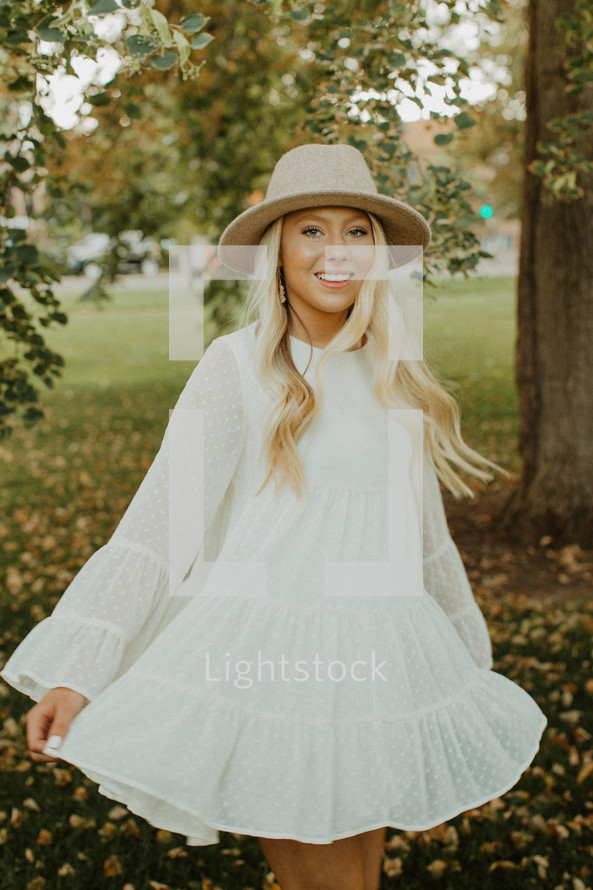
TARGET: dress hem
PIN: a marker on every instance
(194, 840)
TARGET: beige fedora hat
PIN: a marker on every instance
(323, 176)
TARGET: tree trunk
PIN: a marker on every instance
(554, 350)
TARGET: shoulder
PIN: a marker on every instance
(239, 343)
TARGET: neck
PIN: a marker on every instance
(319, 334)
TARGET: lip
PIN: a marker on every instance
(334, 285)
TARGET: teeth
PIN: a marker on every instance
(333, 277)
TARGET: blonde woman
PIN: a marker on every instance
(279, 639)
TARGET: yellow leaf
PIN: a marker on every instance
(130, 828)
(44, 837)
(393, 867)
(63, 777)
(504, 863)
(112, 867)
(585, 772)
(437, 868)
(176, 853)
(117, 812)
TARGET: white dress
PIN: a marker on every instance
(272, 690)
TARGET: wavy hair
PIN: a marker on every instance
(396, 383)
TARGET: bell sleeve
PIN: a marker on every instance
(126, 591)
(445, 578)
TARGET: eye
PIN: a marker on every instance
(312, 231)
(358, 231)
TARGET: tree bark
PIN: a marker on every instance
(554, 349)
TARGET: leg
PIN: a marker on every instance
(372, 845)
(300, 866)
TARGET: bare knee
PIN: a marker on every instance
(302, 866)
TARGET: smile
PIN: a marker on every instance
(336, 278)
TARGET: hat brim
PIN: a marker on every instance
(407, 232)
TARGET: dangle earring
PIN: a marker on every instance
(281, 287)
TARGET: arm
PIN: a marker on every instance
(119, 598)
(445, 578)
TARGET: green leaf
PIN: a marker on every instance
(101, 7)
(464, 121)
(133, 110)
(59, 317)
(140, 46)
(130, 4)
(360, 144)
(165, 61)
(20, 83)
(99, 99)
(201, 40)
(443, 138)
(193, 23)
(27, 254)
(182, 44)
(299, 14)
(46, 32)
(31, 415)
(162, 26)
(19, 163)
(17, 235)
(396, 59)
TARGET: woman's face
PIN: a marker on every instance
(325, 254)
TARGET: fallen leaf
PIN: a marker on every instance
(44, 837)
(393, 867)
(437, 868)
(585, 771)
(176, 853)
(112, 867)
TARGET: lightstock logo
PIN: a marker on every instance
(196, 452)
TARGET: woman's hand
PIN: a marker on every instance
(50, 719)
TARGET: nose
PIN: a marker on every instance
(336, 252)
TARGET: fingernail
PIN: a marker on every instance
(54, 742)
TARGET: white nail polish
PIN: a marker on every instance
(54, 742)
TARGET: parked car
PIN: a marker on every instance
(140, 254)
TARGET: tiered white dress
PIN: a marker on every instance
(248, 694)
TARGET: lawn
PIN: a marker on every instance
(64, 486)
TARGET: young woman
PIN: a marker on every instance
(252, 651)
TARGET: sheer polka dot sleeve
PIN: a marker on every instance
(113, 606)
(445, 578)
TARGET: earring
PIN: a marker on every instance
(281, 288)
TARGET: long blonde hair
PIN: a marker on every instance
(296, 406)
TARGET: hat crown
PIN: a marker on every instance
(320, 168)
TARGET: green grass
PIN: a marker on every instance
(64, 486)
(470, 331)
